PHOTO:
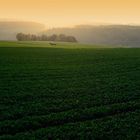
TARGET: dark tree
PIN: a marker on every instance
(71, 39)
(44, 38)
(54, 37)
(20, 37)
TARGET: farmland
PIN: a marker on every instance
(68, 91)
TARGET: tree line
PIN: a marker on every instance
(54, 37)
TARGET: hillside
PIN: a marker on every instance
(8, 30)
(107, 35)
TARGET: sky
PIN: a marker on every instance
(66, 13)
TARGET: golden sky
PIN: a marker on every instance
(56, 13)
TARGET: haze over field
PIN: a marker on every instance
(120, 35)
(9, 29)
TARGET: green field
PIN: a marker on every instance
(69, 91)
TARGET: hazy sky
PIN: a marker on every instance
(71, 12)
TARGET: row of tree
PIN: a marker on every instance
(54, 37)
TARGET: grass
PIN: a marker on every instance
(69, 91)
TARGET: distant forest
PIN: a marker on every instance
(54, 37)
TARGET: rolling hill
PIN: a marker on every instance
(9, 29)
(121, 35)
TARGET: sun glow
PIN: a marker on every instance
(58, 13)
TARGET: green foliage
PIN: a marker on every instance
(76, 93)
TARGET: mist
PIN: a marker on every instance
(9, 29)
(119, 35)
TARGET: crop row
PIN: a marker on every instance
(121, 126)
(36, 122)
(59, 105)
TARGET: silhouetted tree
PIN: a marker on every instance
(62, 38)
(44, 38)
(54, 37)
(33, 38)
(71, 39)
(19, 36)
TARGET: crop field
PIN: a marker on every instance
(69, 91)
